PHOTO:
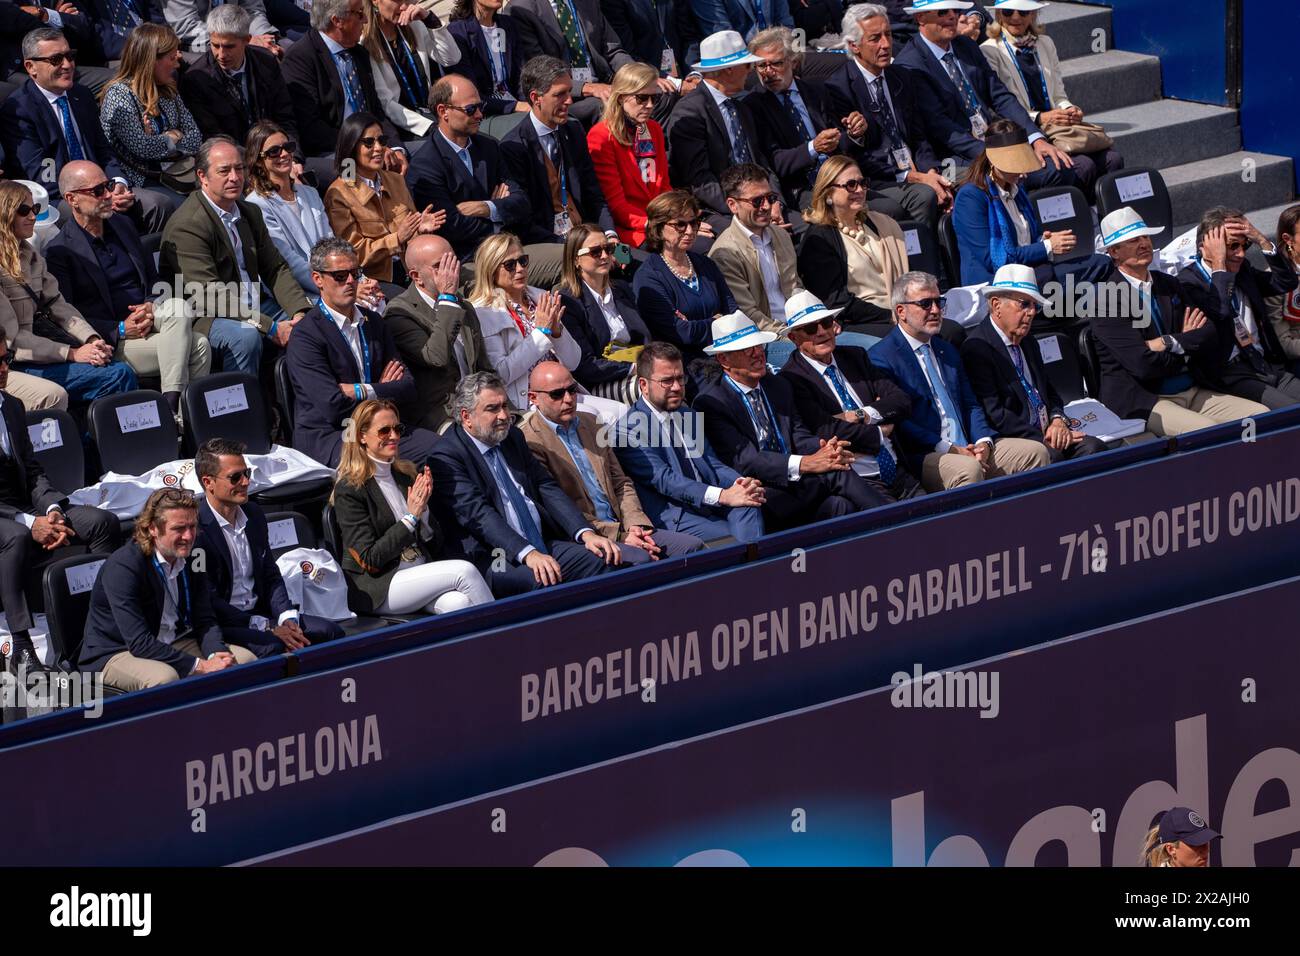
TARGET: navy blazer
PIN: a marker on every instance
(937, 96)
(818, 404)
(212, 101)
(521, 154)
(35, 493)
(73, 263)
(846, 92)
(320, 360)
(317, 93)
(101, 21)
(269, 592)
(738, 15)
(922, 430)
(584, 320)
(647, 458)
(540, 33)
(731, 430)
(672, 312)
(31, 134)
(436, 176)
(476, 61)
(995, 382)
(469, 506)
(647, 27)
(126, 612)
(787, 144)
(699, 148)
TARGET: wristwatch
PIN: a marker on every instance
(862, 414)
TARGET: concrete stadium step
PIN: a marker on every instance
(1265, 220)
(1195, 187)
(1073, 26)
(1171, 132)
(1111, 80)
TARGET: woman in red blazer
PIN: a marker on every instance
(627, 148)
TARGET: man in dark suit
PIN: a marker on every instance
(113, 21)
(1152, 346)
(547, 155)
(946, 439)
(653, 30)
(577, 33)
(52, 119)
(435, 329)
(1007, 374)
(708, 130)
(1249, 361)
(955, 81)
(151, 620)
(31, 510)
(341, 355)
(751, 419)
(249, 598)
(234, 84)
(461, 171)
(890, 135)
(105, 272)
(746, 17)
(329, 77)
(510, 518)
(838, 393)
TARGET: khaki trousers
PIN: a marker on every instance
(127, 672)
(175, 353)
(1199, 408)
(1010, 456)
(35, 393)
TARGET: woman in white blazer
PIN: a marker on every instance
(409, 51)
(295, 216)
(1025, 60)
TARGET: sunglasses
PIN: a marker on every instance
(758, 202)
(511, 264)
(341, 276)
(685, 225)
(644, 99)
(599, 252)
(929, 302)
(6, 359)
(386, 431)
(555, 394)
(275, 152)
(369, 141)
(99, 190)
(852, 185)
(239, 477)
(35, 209)
(469, 109)
(826, 325)
(56, 60)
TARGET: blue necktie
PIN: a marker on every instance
(766, 432)
(517, 501)
(1036, 406)
(351, 85)
(971, 102)
(758, 15)
(579, 454)
(739, 142)
(888, 467)
(75, 151)
(945, 400)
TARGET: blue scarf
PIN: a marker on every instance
(1002, 232)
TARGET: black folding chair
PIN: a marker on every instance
(67, 585)
(1064, 372)
(922, 250)
(133, 432)
(1143, 190)
(289, 530)
(284, 392)
(948, 248)
(56, 440)
(1090, 362)
(1064, 207)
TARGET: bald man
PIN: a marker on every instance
(105, 272)
(567, 443)
(436, 330)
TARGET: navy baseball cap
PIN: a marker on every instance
(1187, 826)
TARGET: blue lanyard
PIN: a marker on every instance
(1236, 299)
(497, 63)
(365, 353)
(771, 415)
(181, 622)
(1155, 308)
(1047, 97)
(401, 75)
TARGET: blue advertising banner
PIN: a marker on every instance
(1061, 755)
(277, 765)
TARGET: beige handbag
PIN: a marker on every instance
(1078, 137)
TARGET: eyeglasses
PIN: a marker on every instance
(99, 190)
(369, 141)
(772, 64)
(469, 109)
(828, 325)
(685, 225)
(599, 252)
(239, 477)
(34, 209)
(341, 276)
(644, 99)
(758, 202)
(275, 152)
(56, 59)
(384, 431)
(670, 381)
(555, 394)
(511, 264)
(928, 303)
(6, 359)
(852, 185)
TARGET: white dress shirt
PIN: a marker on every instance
(241, 569)
(876, 85)
(768, 269)
(792, 463)
(350, 326)
(248, 292)
(171, 599)
(863, 464)
(951, 426)
(618, 331)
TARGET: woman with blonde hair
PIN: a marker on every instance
(408, 47)
(1180, 837)
(389, 539)
(850, 255)
(143, 115)
(627, 149)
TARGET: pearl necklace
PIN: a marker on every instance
(684, 278)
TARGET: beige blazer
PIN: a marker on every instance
(734, 254)
(17, 310)
(554, 456)
(369, 221)
(995, 51)
(875, 263)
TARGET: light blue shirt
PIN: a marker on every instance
(462, 154)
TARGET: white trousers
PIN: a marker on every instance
(438, 587)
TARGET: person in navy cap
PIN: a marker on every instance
(1180, 837)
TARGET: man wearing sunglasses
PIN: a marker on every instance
(568, 444)
(248, 594)
(36, 521)
(104, 271)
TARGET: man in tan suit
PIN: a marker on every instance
(567, 444)
(756, 258)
